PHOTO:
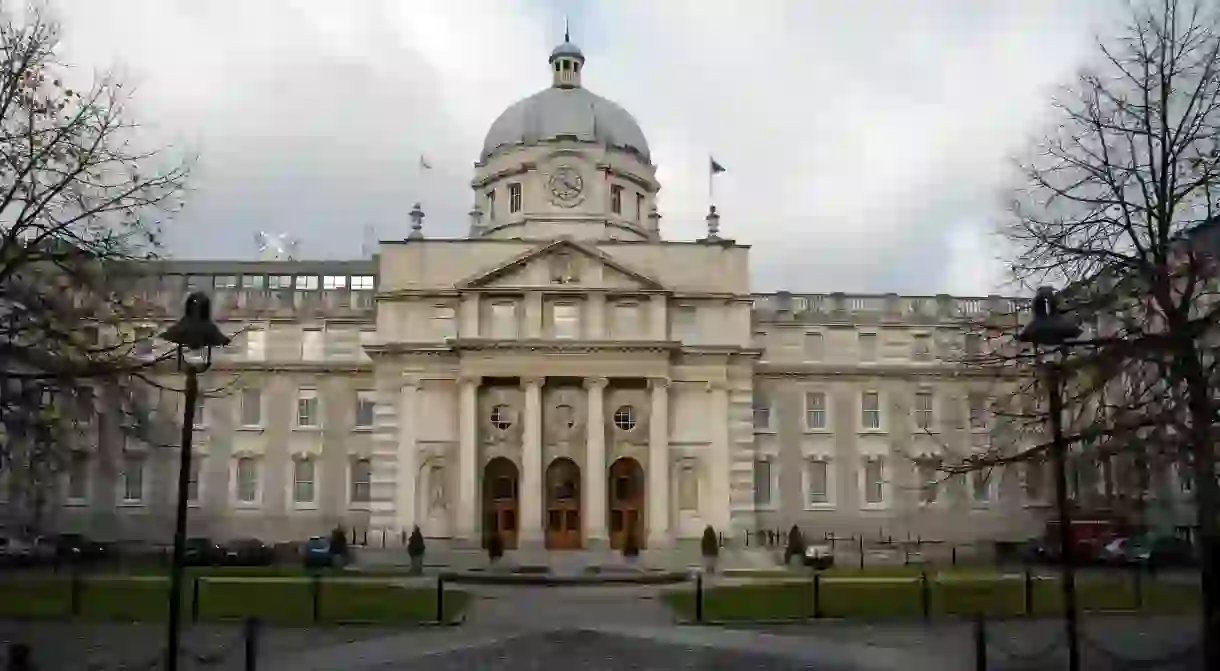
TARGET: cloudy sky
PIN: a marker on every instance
(867, 142)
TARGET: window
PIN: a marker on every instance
(307, 282)
(501, 417)
(639, 207)
(616, 199)
(566, 322)
(1035, 471)
(813, 346)
(504, 321)
(331, 282)
(817, 482)
(303, 480)
(443, 322)
(251, 407)
(762, 411)
(868, 346)
(362, 481)
(256, 344)
(192, 478)
(226, 282)
(762, 482)
(627, 319)
(363, 282)
(978, 411)
(311, 345)
(923, 410)
(514, 197)
(280, 282)
(921, 349)
(624, 418)
(980, 484)
(144, 342)
(928, 480)
(307, 408)
(491, 205)
(874, 480)
(973, 344)
(870, 410)
(253, 281)
(815, 410)
(685, 323)
(247, 480)
(366, 401)
(132, 478)
(78, 477)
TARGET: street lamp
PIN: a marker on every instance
(1054, 330)
(195, 334)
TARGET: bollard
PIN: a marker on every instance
(953, 555)
(817, 596)
(316, 596)
(195, 600)
(251, 643)
(383, 539)
(925, 595)
(699, 597)
(1029, 591)
(861, 544)
(76, 586)
(980, 643)
(440, 599)
(19, 658)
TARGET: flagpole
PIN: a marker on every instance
(711, 181)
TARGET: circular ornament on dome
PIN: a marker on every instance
(566, 185)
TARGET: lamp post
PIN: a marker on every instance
(195, 334)
(1054, 330)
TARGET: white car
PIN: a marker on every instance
(819, 556)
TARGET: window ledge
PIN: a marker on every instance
(875, 506)
(131, 503)
(820, 506)
(362, 506)
(72, 503)
(765, 508)
(764, 432)
(873, 432)
(307, 429)
(251, 427)
(247, 505)
(824, 431)
(304, 507)
(362, 429)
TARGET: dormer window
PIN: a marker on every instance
(616, 199)
(514, 197)
(491, 205)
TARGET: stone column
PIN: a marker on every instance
(407, 455)
(468, 470)
(719, 459)
(595, 472)
(531, 463)
(658, 464)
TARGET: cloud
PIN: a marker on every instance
(864, 142)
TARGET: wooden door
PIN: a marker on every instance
(563, 524)
(626, 510)
(500, 501)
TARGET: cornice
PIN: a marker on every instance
(780, 370)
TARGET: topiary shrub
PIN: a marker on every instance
(338, 542)
(710, 545)
(796, 544)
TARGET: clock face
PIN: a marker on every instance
(566, 186)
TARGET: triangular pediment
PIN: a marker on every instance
(562, 263)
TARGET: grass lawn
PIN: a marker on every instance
(287, 603)
(996, 598)
(277, 570)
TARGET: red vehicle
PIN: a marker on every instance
(1087, 537)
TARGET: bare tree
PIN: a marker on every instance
(1119, 207)
(81, 205)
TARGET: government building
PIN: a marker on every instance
(562, 375)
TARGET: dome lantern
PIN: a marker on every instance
(566, 61)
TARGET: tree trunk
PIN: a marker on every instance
(1207, 496)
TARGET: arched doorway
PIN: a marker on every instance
(500, 501)
(626, 492)
(563, 505)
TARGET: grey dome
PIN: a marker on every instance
(556, 111)
(567, 49)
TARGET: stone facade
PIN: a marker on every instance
(562, 375)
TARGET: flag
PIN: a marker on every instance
(715, 167)
(423, 163)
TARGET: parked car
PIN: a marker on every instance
(76, 548)
(201, 551)
(15, 551)
(317, 553)
(248, 552)
(819, 557)
(1154, 550)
